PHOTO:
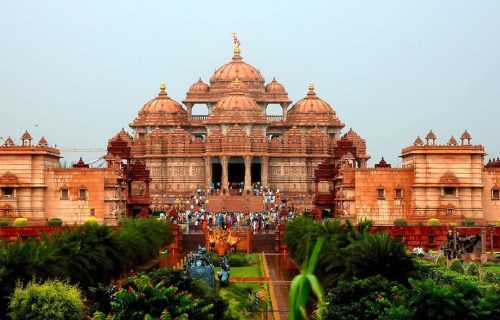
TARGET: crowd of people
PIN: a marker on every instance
(197, 218)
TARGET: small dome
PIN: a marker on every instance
(311, 104)
(430, 136)
(43, 142)
(465, 136)
(418, 141)
(162, 104)
(26, 136)
(9, 142)
(160, 111)
(199, 87)
(452, 141)
(275, 87)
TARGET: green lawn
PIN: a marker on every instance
(239, 272)
(493, 267)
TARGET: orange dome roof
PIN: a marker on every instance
(237, 107)
(237, 69)
(199, 87)
(311, 104)
(275, 87)
(162, 104)
(162, 110)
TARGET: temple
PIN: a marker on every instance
(237, 145)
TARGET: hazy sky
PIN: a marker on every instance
(77, 72)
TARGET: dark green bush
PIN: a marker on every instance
(473, 270)
(54, 222)
(400, 222)
(468, 222)
(236, 261)
(490, 277)
(215, 259)
(53, 300)
(441, 260)
(87, 255)
(4, 222)
(457, 266)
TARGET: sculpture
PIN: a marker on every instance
(200, 266)
(223, 242)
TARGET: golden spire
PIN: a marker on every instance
(163, 86)
(311, 87)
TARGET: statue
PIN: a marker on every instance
(200, 266)
(223, 242)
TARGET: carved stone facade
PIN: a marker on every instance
(236, 142)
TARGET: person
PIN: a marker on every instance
(196, 225)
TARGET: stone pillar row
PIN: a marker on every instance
(248, 172)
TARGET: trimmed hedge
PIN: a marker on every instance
(457, 266)
(20, 222)
(54, 222)
(468, 222)
(90, 220)
(473, 270)
(4, 222)
(441, 260)
(400, 222)
(433, 222)
(53, 300)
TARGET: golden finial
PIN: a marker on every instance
(163, 86)
(236, 44)
(236, 83)
(311, 87)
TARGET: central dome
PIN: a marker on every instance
(237, 69)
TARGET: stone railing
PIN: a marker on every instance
(199, 117)
(274, 118)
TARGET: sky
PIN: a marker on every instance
(78, 71)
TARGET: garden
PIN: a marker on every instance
(369, 275)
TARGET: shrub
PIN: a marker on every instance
(53, 300)
(441, 260)
(457, 266)
(433, 222)
(468, 222)
(236, 261)
(90, 220)
(473, 270)
(215, 259)
(400, 222)
(4, 222)
(490, 277)
(54, 222)
(20, 222)
(498, 223)
(452, 224)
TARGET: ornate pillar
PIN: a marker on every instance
(189, 107)
(264, 171)
(208, 172)
(224, 161)
(285, 107)
(248, 175)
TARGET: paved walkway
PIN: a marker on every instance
(281, 272)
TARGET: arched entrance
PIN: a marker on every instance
(256, 170)
(236, 171)
(216, 173)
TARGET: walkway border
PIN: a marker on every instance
(272, 294)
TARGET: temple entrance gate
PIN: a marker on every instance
(255, 170)
(236, 171)
(217, 174)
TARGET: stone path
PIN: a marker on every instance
(281, 272)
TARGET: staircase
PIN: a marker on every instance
(245, 203)
(263, 242)
(191, 241)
